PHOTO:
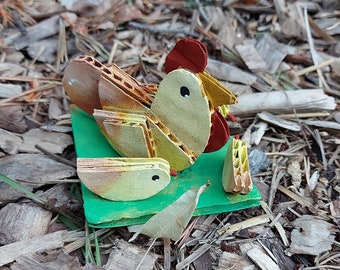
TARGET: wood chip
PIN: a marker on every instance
(62, 262)
(234, 261)
(127, 256)
(295, 172)
(44, 29)
(60, 193)
(9, 90)
(22, 221)
(272, 52)
(11, 70)
(306, 202)
(12, 119)
(278, 225)
(42, 243)
(9, 142)
(51, 141)
(226, 72)
(286, 124)
(261, 259)
(192, 257)
(252, 59)
(55, 108)
(43, 50)
(33, 170)
(254, 133)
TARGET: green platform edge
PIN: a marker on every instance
(102, 213)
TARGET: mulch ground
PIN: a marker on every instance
(280, 58)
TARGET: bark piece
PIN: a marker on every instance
(62, 262)
(251, 57)
(226, 72)
(12, 119)
(203, 262)
(192, 257)
(59, 193)
(127, 256)
(234, 261)
(55, 108)
(44, 29)
(51, 141)
(11, 70)
(22, 221)
(10, 252)
(272, 52)
(44, 50)
(9, 90)
(35, 168)
(9, 142)
(323, 124)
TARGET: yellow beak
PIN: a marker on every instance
(217, 93)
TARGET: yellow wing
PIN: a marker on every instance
(124, 179)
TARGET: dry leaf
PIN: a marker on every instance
(171, 221)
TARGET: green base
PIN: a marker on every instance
(102, 213)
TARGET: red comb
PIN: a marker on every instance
(188, 53)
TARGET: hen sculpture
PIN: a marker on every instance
(154, 128)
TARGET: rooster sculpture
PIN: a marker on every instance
(154, 128)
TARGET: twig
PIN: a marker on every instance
(146, 253)
(81, 241)
(277, 225)
(304, 115)
(202, 11)
(314, 67)
(277, 176)
(250, 222)
(30, 79)
(41, 201)
(301, 200)
(312, 49)
(35, 90)
(167, 254)
(62, 48)
(317, 137)
(40, 52)
(320, 31)
(293, 211)
(196, 254)
(56, 157)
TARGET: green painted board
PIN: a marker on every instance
(102, 213)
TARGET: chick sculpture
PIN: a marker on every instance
(154, 128)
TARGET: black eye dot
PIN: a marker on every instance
(155, 177)
(185, 92)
